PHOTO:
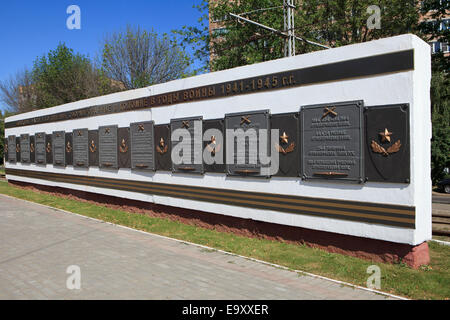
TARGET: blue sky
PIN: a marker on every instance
(29, 29)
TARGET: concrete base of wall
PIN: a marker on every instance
(369, 249)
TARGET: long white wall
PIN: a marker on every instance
(402, 87)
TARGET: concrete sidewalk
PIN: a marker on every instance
(38, 244)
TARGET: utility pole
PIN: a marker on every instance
(288, 32)
(289, 28)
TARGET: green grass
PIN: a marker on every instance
(429, 282)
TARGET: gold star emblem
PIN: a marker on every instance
(385, 136)
(284, 137)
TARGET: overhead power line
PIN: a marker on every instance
(288, 33)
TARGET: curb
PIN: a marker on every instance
(226, 252)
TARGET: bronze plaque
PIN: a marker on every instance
(69, 148)
(49, 148)
(214, 145)
(287, 145)
(107, 143)
(188, 148)
(163, 158)
(59, 152)
(18, 159)
(40, 148)
(332, 138)
(142, 145)
(124, 148)
(32, 150)
(93, 148)
(80, 148)
(25, 148)
(5, 150)
(244, 144)
(12, 154)
(387, 143)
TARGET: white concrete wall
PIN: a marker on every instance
(404, 87)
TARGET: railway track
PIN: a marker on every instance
(441, 219)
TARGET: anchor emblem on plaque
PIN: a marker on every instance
(92, 147)
(68, 147)
(123, 146)
(162, 147)
(213, 146)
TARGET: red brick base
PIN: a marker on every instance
(369, 249)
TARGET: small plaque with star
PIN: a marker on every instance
(387, 143)
(287, 145)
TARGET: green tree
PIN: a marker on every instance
(139, 58)
(330, 22)
(62, 76)
(433, 30)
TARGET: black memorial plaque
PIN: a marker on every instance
(287, 146)
(18, 153)
(80, 148)
(142, 145)
(32, 150)
(5, 149)
(48, 148)
(59, 150)
(25, 156)
(332, 138)
(12, 154)
(107, 142)
(387, 143)
(123, 140)
(192, 161)
(93, 148)
(40, 148)
(163, 158)
(69, 148)
(214, 145)
(243, 154)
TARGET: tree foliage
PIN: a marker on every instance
(330, 22)
(17, 92)
(59, 77)
(139, 58)
(62, 76)
(440, 86)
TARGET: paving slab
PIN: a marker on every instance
(38, 244)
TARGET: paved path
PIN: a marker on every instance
(38, 244)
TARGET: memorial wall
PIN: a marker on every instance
(336, 140)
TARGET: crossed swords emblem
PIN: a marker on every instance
(329, 110)
(245, 119)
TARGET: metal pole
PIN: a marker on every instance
(285, 29)
(292, 7)
(289, 28)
